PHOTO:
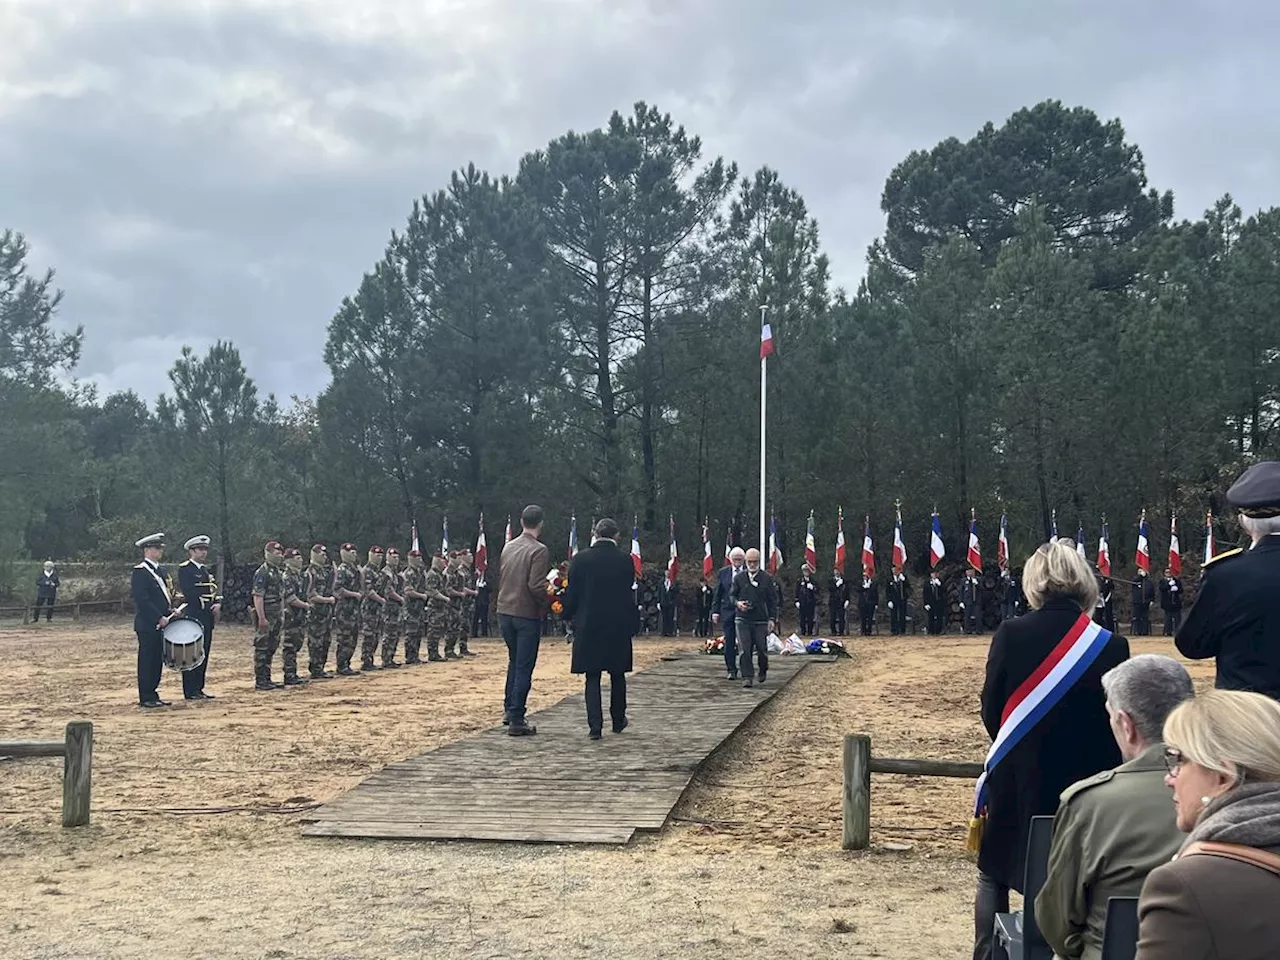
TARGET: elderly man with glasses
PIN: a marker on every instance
(755, 601)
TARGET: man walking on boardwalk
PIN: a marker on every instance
(522, 597)
(755, 599)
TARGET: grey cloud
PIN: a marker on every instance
(232, 173)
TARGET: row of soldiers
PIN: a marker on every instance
(370, 608)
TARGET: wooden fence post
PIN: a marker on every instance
(857, 792)
(76, 774)
(76, 614)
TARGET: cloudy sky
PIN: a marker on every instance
(196, 169)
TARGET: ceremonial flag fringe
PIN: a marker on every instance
(1175, 550)
(673, 561)
(1002, 545)
(975, 550)
(868, 553)
(810, 547)
(708, 565)
(635, 547)
(482, 549)
(1143, 556)
(840, 551)
(937, 549)
(1210, 548)
(899, 548)
(1104, 552)
(775, 555)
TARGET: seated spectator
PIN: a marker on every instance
(1070, 740)
(1114, 828)
(1221, 897)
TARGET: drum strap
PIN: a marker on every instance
(158, 579)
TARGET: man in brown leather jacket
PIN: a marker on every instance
(522, 598)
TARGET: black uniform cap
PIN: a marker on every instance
(1257, 492)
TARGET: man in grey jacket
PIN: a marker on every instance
(522, 598)
(755, 598)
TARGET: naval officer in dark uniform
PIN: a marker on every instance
(153, 608)
(200, 591)
(1236, 615)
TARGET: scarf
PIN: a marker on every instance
(1248, 815)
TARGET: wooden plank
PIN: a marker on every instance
(392, 831)
(32, 748)
(927, 768)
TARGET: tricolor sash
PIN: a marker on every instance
(1074, 654)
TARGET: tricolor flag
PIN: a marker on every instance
(1002, 545)
(727, 537)
(810, 548)
(1175, 551)
(868, 553)
(708, 565)
(414, 545)
(1210, 548)
(775, 555)
(635, 547)
(766, 341)
(840, 553)
(482, 550)
(899, 548)
(1104, 552)
(444, 539)
(975, 549)
(937, 549)
(573, 536)
(508, 534)
(1143, 557)
(673, 561)
(1080, 542)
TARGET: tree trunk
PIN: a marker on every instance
(224, 513)
(612, 485)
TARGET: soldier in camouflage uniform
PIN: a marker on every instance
(371, 609)
(436, 618)
(468, 571)
(454, 583)
(318, 579)
(415, 596)
(267, 599)
(348, 589)
(391, 586)
(293, 592)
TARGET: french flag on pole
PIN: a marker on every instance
(1002, 545)
(415, 548)
(775, 555)
(444, 538)
(1143, 557)
(1080, 542)
(673, 562)
(1209, 546)
(766, 341)
(635, 547)
(899, 548)
(573, 537)
(482, 550)
(508, 535)
(1104, 552)
(708, 565)
(868, 553)
(810, 547)
(1175, 551)
(937, 549)
(975, 549)
(840, 553)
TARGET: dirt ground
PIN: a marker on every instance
(749, 867)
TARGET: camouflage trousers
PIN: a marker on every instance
(436, 624)
(348, 636)
(370, 634)
(391, 629)
(413, 627)
(292, 639)
(453, 632)
(266, 639)
(464, 622)
(317, 644)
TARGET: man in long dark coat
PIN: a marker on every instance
(1144, 594)
(599, 604)
(868, 600)
(838, 603)
(935, 598)
(807, 602)
(899, 590)
(971, 601)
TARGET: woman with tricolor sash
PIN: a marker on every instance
(1045, 710)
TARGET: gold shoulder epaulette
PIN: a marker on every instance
(1222, 556)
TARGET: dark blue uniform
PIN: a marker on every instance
(151, 602)
(199, 590)
(722, 603)
(1236, 618)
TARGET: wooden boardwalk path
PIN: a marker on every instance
(559, 786)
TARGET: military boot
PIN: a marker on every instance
(463, 650)
(433, 652)
(293, 680)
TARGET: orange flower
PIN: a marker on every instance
(557, 607)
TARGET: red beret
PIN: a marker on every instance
(375, 549)
(348, 546)
(293, 552)
(320, 548)
(415, 553)
(273, 545)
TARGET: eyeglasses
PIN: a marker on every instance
(1173, 760)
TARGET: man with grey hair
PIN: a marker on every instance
(1114, 828)
(1236, 615)
(723, 612)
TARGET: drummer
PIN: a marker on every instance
(196, 582)
(153, 608)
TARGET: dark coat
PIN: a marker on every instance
(1071, 742)
(151, 599)
(47, 584)
(722, 602)
(600, 604)
(1236, 618)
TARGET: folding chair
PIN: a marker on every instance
(1120, 937)
(1017, 937)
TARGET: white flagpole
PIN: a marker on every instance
(764, 361)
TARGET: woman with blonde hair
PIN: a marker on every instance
(1220, 897)
(1052, 658)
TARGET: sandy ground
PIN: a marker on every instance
(749, 867)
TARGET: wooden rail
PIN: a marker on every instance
(29, 612)
(858, 764)
(76, 749)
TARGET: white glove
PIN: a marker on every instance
(890, 604)
(927, 607)
(846, 604)
(962, 606)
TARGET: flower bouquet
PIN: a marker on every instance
(557, 584)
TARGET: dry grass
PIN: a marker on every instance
(750, 868)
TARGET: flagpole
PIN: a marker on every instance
(763, 381)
